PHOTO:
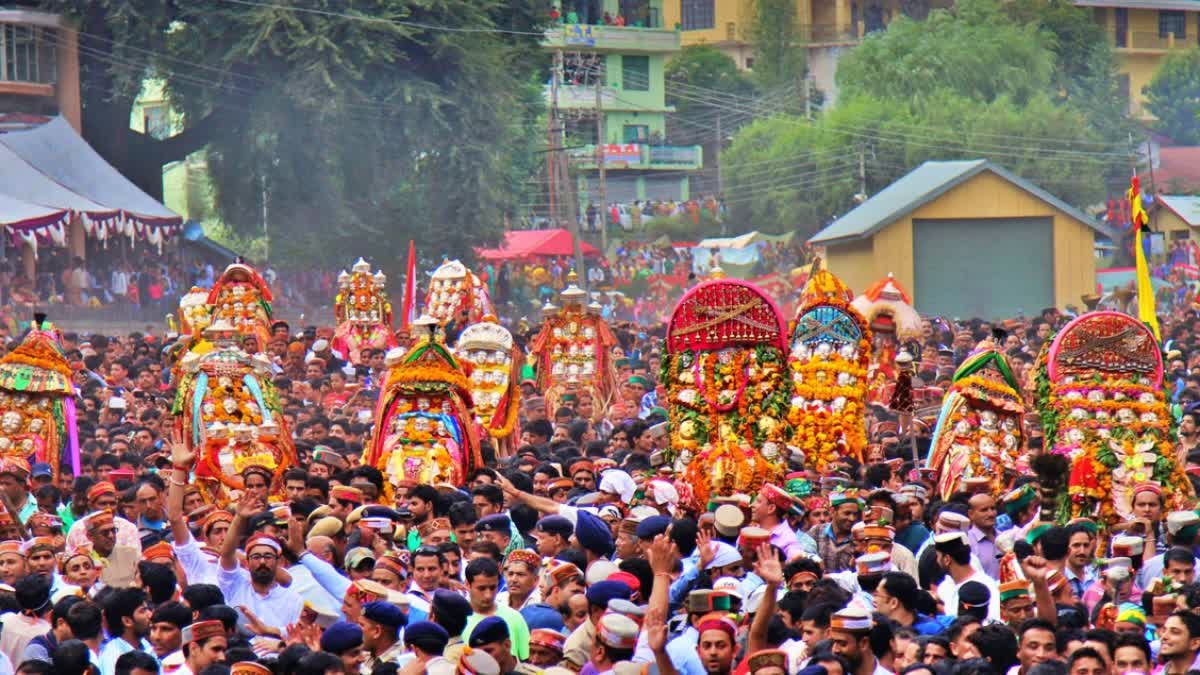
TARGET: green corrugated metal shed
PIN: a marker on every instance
(921, 186)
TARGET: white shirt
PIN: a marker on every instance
(279, 608)
(948, 592)
(305, 584)
(199, 566)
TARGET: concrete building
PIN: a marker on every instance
(39, 65)
(1143, 32)
(969, 239)
(618, 47)
(827, 27)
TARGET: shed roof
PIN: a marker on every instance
(923, 185)
(1186, 207)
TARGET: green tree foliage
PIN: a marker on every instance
(361, 126)
(964, 84)
(707, 67)
(778, 45)
(1173, 97)
(974, 50)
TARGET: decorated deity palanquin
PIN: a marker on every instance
(454, 289)
(241, 299)
(37, 401)
(1100, 396)
(194, 312)
(425, 432)
(828, 363)
(978, 433)
(363, 313)
(728, 389)
(573, 351)
(890, 315)
(228, 410)
(495, 362)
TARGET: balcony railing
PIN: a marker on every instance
(614, 38)
(805, 33)
(1151, 41)
(640, 156)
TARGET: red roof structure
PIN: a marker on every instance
(525, 244)
(1177, 170)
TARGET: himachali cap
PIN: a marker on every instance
(835, 482)
(51, 544)
(347, 494)
(159, 551)
(628, 526)
(524, 555)
(1018, 498)
(718, 621)
(617, 631)
(1118, 569)
(99, 519)
(392, 563)
(1127, 546)
(1091, 526)
(249, 668)
(725, 555)
(1146, 487)
(948, 542)
(879, 532)
(550, 639)
(16, 466)
(953, 520)
(767, 658)
(851, 620)
(699, 601)
(777, 497)
(880, 515)
(754, 536)
(477, 662)
(561, 572)
(202, 630)
(627, 608)
(728, 519)
(1010, 590)
(1178, 520)
(323, 455)
(977, 485)
(266, 540)
(1037, 531)
(627, 579)
(873, 563)
(99, 489)
(13, 547)
(728, 586)
(582, 465)
(599, 571)
(427, 528)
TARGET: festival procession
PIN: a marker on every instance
(591, 337)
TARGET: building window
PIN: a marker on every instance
(749, 63)
(698, 14)
(1173, 22)
(635, 72)
(157, 123)
(636, 133)
(27, 54)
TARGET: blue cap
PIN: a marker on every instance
(41, 469)
(653, 526)
(497, 522)
(385, 614)
(340, 637)
(542, 616)
(426, 636)
(600, 593)
(491, 629)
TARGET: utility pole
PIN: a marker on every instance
(600, 77)
(552, 130)
(266, 232)
(720, 172)
(862, 173)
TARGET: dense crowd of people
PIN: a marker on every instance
(575, 552)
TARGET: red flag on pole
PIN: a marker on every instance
(409, 307)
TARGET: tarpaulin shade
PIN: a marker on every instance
(21, 181)
(521, 244)
(21, 216)
(55, 151)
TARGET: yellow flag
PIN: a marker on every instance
(1145, 288)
